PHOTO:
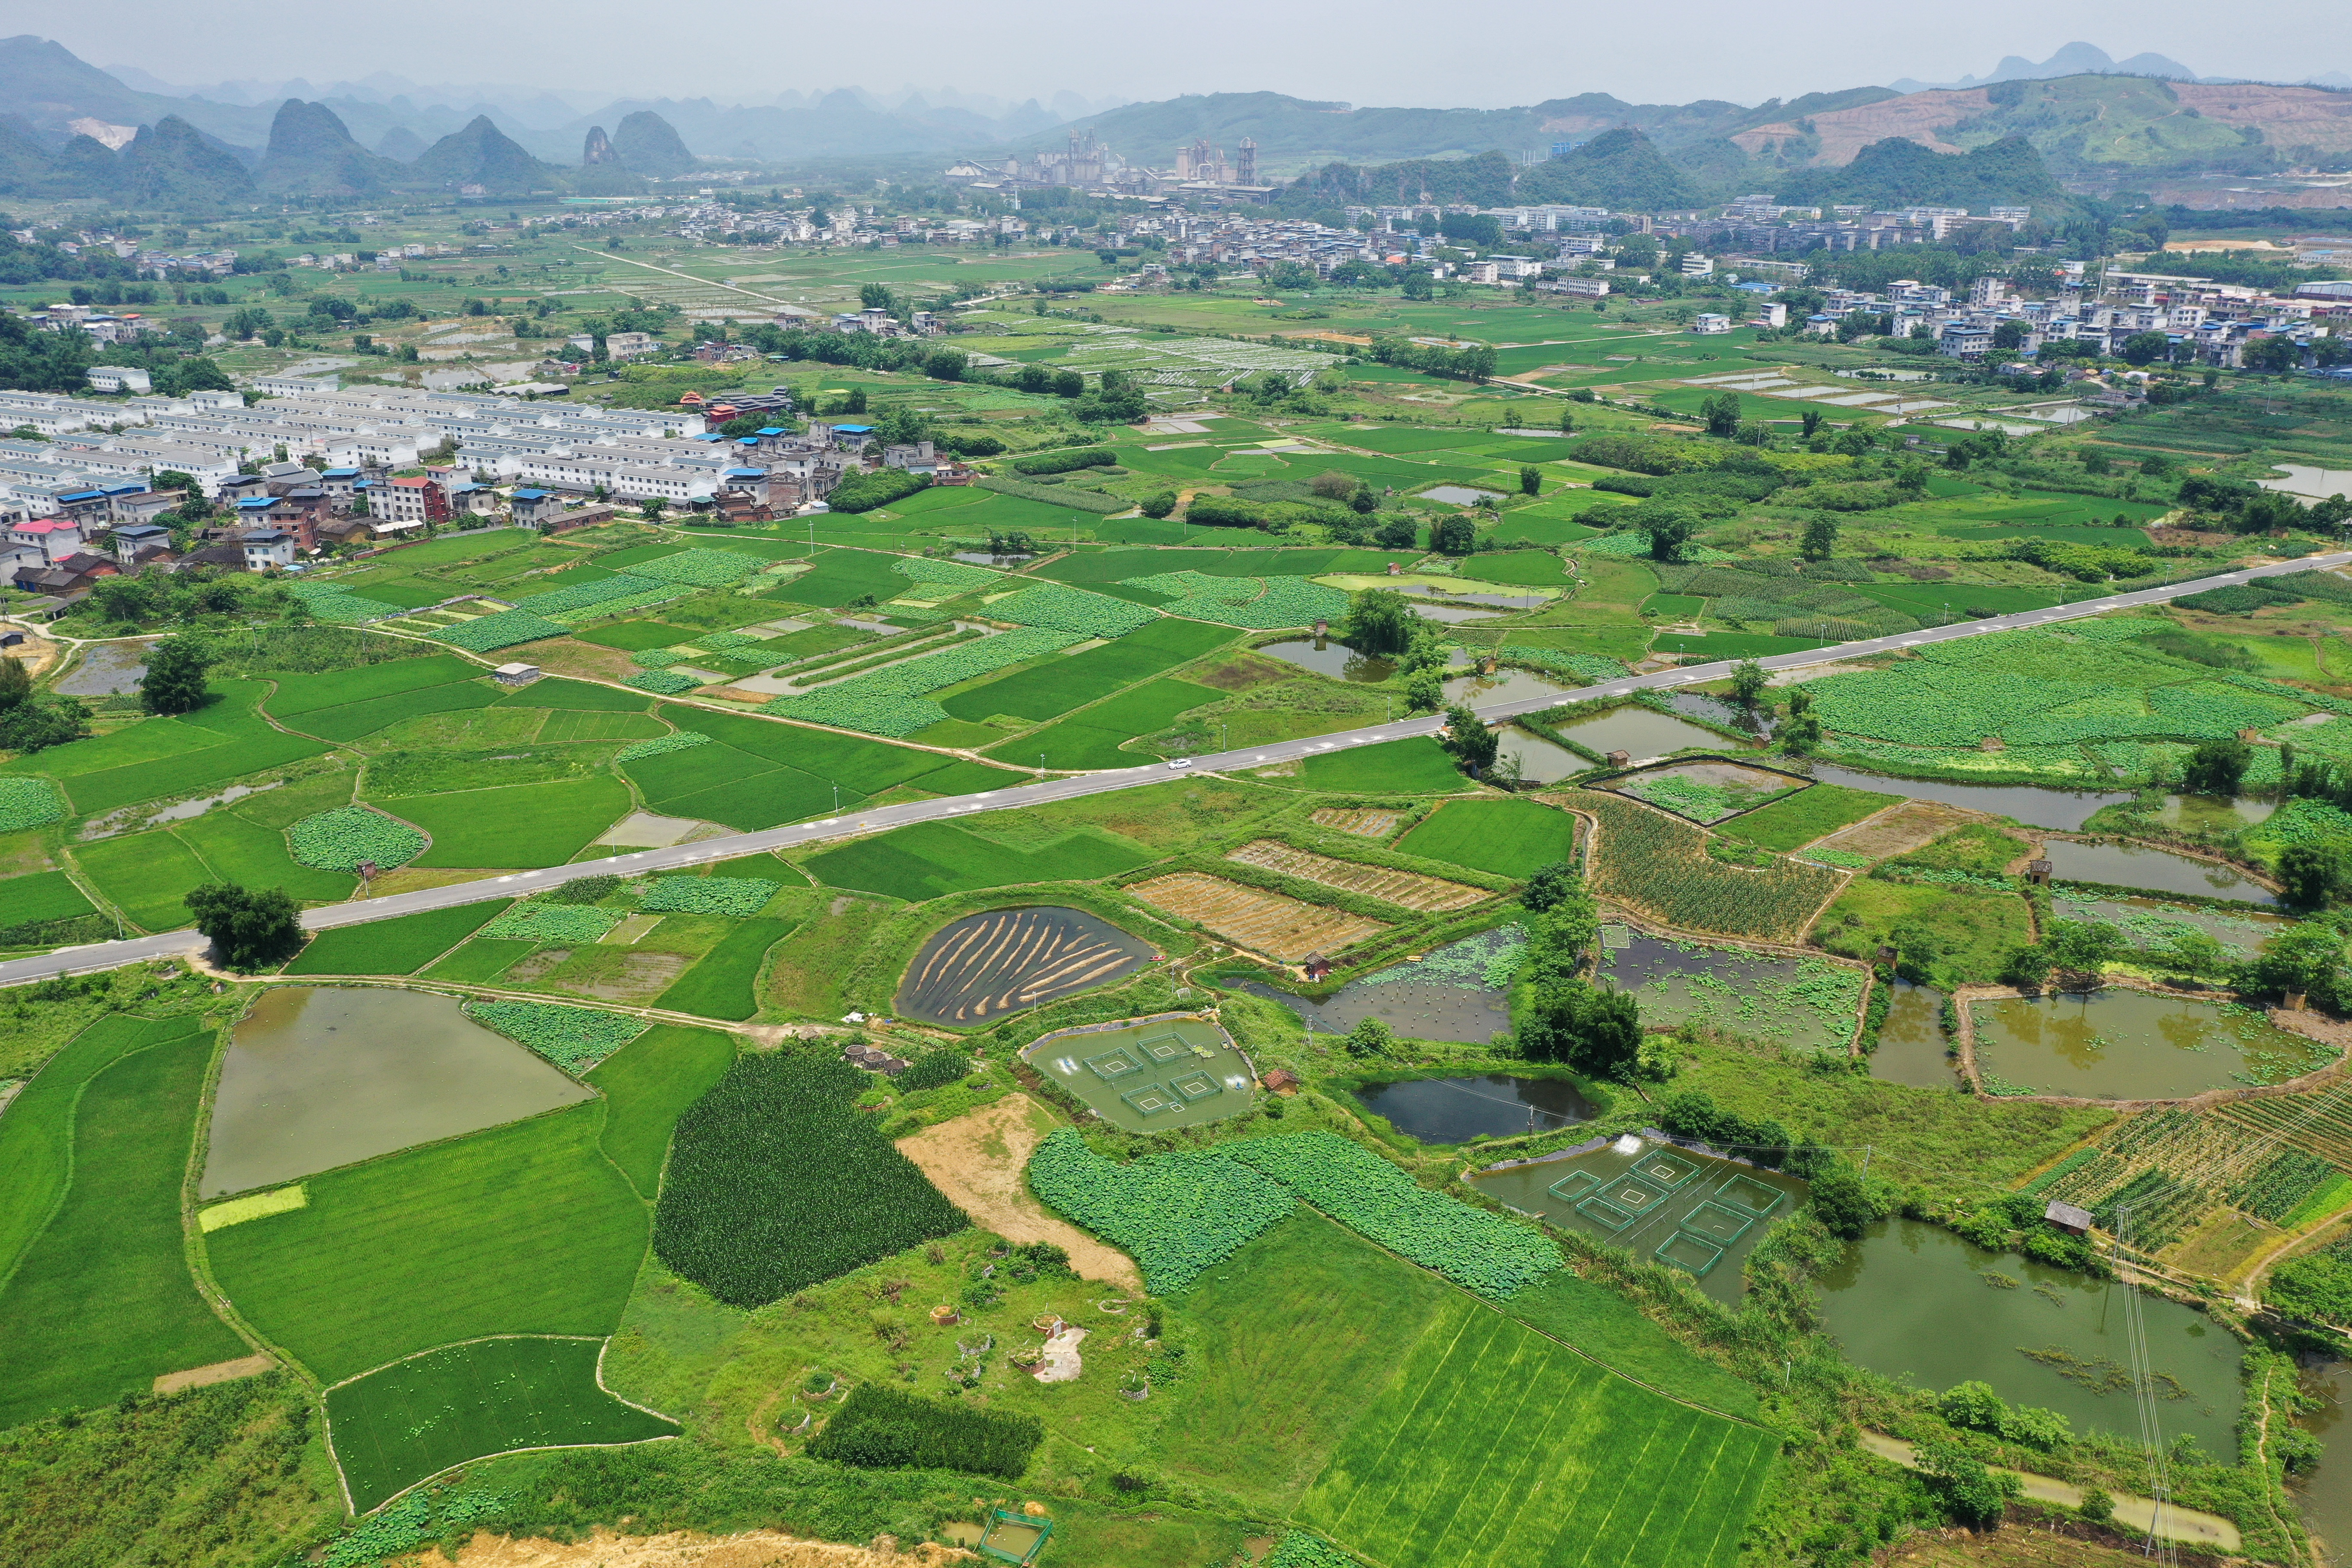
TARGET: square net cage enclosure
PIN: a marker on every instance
(1112, 1066)
(1695, 1253)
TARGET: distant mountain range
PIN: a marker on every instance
(2087, 60)
(68, 127)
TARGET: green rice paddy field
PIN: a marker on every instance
(396, 1427)
(91, 1161)
(1508, 837)
(524, 1228)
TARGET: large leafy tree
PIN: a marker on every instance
(174, 681)
(249, 928)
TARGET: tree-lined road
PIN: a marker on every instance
(112, 954)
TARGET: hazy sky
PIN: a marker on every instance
(1485, 53)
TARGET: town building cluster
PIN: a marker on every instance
(313, 468)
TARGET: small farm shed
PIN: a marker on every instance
(2068, 1218)
(1281, 1080)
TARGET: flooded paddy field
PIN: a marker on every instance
(1150, 1077)
(2158, 870)
(1803, 1002)
(1002, 961)
(1917, 1303)
(1666, 1203)
(320, 1076)
(2117, 1044)
(1456, 1110)
(1460, 993)
(2149, 924)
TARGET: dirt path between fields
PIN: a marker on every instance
(977, 1160)
(683, 1549)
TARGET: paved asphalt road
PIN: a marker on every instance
(109, 954)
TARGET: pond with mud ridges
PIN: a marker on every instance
(985, 966)
(1914, 1302)
(320, 1076)
(2066, 810)
(2120, 1044)
(1456, 1110)
(1665, 1204)
(2158, 870)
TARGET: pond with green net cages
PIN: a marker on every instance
(1151, 1075)
(1664, 1201)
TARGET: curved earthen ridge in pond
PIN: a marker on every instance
(1002, 961)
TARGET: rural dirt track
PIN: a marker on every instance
(977, 1161)
(683, 1549)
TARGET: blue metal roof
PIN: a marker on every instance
(530, 495)
(775, 431)
(856, 429)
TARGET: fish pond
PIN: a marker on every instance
(1456, 1110)
(985, 966)
(1328, 656)
(1504, 686)
(2066, 810)
(1152, 1076)
(1912, 1046)
(2158, 870)
(1805, 1002)
(2119, 1044)
(1665, 1202)
(1914, 1302)
(1538, 759)
(1640, 732)
(320, 1076)
(2214, 813)
(1460, 993)
(2325, 1495)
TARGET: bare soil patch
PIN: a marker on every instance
(1243, 671)
(977, 1160)
(1898, 830)
(570, 656)
(218, 1372)
(1363, 823)
(1409, 889)
(686, 1549)
(1265, 923)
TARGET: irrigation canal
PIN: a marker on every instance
(167, 944)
